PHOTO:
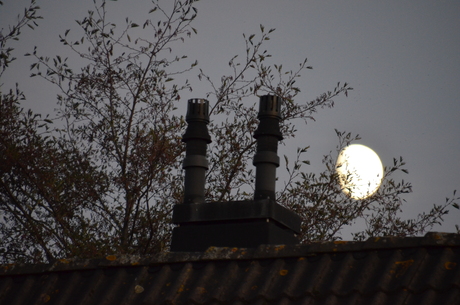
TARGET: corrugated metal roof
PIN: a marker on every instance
(417, 270)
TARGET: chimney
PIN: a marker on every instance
(268, 135)
(196, 138)
(241, 224)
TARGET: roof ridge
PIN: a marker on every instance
(431, 239)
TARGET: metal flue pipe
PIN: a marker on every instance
(268, 135)
(196, 138)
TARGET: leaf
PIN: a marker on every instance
(134, 25)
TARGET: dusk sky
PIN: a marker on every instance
(401, 57)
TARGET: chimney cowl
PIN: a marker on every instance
(270, 106)
(269, 117)
(197, 110)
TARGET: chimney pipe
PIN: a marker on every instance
(196, 138)
(268, 135)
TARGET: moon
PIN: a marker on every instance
(360, 171)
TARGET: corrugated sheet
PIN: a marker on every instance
(379, 271)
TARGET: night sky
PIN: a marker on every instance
(401, 57)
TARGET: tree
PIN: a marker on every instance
(104, 175)
(29, 18)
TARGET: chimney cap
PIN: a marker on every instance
(270, 106)
(197, 110)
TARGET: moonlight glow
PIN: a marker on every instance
(360, 171)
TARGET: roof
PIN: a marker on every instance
(415, 270)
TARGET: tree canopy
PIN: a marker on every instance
(103, 174)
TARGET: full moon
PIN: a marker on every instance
(360, 171)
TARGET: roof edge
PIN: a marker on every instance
(431, 239)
